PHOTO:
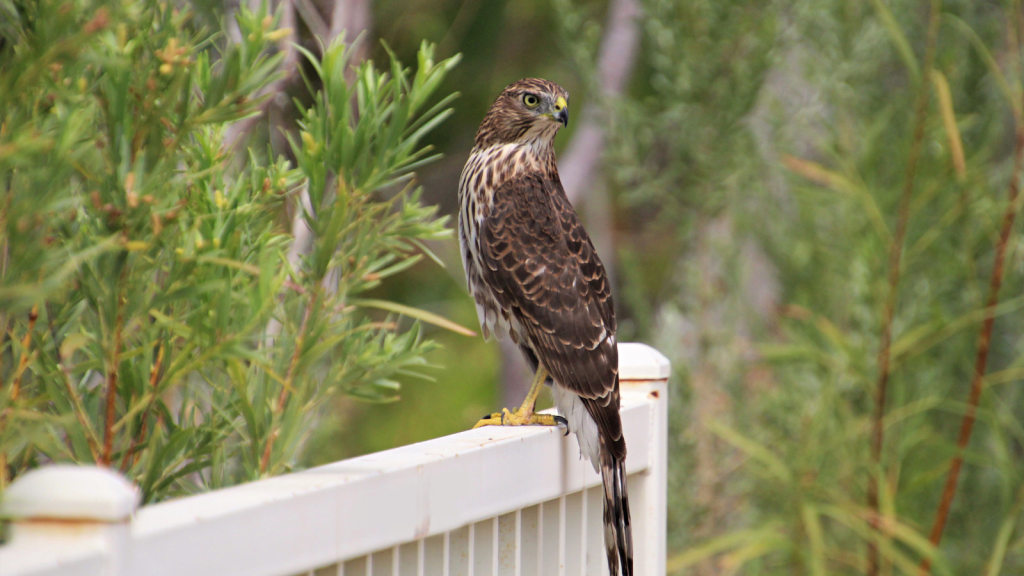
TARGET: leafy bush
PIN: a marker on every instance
(792, 149)
(152, 318)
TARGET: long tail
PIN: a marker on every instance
(618, 531)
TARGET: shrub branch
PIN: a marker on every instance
(287, 386)
(80, 414)
(895, 256)
(26, 355)
(112, 365)
(130, 455)
(984, 345)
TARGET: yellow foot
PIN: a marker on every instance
(519, 418)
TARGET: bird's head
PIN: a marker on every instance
(530, 110)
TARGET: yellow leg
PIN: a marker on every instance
(524, 416)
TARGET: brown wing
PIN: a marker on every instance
(543, 269)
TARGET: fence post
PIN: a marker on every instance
(644, 369)
(657, 480)
(65, 515)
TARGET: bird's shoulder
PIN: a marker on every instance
(527, 204)
(532, 229)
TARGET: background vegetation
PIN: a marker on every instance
(835, 179)
(157, 316)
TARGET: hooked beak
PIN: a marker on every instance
(562, 111)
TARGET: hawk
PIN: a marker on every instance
(536, 278)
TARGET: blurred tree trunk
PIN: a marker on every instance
(353, 18)
(614, 67)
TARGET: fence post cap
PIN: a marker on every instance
(69, 492)
(641, 362)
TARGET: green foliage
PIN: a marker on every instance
(684, 147)
(152, 318)
(772, 140)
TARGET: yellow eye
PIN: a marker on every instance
(531, 101)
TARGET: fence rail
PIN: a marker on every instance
(493, 501)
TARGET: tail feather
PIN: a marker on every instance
(618, 531)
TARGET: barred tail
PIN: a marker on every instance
(618, 531)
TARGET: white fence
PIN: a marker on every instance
(494, 501)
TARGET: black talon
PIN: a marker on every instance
(561, 420)
(486, 416)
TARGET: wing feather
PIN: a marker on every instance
(542, 267)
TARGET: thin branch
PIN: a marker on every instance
(83, 419)
(112, 367)
(984, 344)
(154, 378)
(26, 343)
(895, 254)
(278, 408)
(16, 384)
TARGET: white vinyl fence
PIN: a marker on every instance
(494, 501)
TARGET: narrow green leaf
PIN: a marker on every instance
(422, 315)
(898, 38)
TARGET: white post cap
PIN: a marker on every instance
(641, 362)
(69, 492)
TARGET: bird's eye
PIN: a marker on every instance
(531, 100)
